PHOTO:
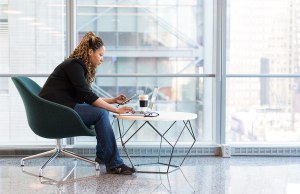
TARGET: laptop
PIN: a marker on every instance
(149, 108)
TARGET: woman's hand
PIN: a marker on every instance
(124, 109)
(121, 99)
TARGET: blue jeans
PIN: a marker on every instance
(106, 149)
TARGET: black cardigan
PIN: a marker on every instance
(67, 84)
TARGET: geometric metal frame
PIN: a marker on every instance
(187, 126)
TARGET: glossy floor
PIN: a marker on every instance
(207, 175)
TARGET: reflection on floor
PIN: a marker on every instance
(207, 175)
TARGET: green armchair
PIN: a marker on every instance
(50, 120)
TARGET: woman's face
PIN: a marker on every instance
(96, 57)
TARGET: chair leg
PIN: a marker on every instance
(71, 154)
(37, 155)
(48, 161)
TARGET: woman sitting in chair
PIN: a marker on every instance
(70, 85)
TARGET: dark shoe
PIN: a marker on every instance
(98, 160)
(123, 169)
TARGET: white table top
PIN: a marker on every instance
(163, 116)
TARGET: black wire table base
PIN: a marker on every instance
(163, 167)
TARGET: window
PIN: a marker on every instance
(264, 37)
(155, 37)
(32, 36)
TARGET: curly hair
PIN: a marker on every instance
(89, 41)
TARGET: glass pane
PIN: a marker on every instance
(263, 36)
(152, 29)
(263, 110)
(155, 37)
(14, 126)
(32, 36)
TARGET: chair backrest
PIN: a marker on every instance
(48, 119)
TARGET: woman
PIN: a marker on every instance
(70, 85)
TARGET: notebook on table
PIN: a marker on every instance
(149, 108)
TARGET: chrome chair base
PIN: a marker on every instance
(55, 152)
(70, 177)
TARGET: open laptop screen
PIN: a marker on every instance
(153, 99)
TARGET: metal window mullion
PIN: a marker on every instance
(71, 26)
(114, 75)
(263, 75)
(223, 51)
(166, 75)
(70, 37)
(220, 61)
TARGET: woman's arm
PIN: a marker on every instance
(121, 99)
(103, 104)
(109, 100)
